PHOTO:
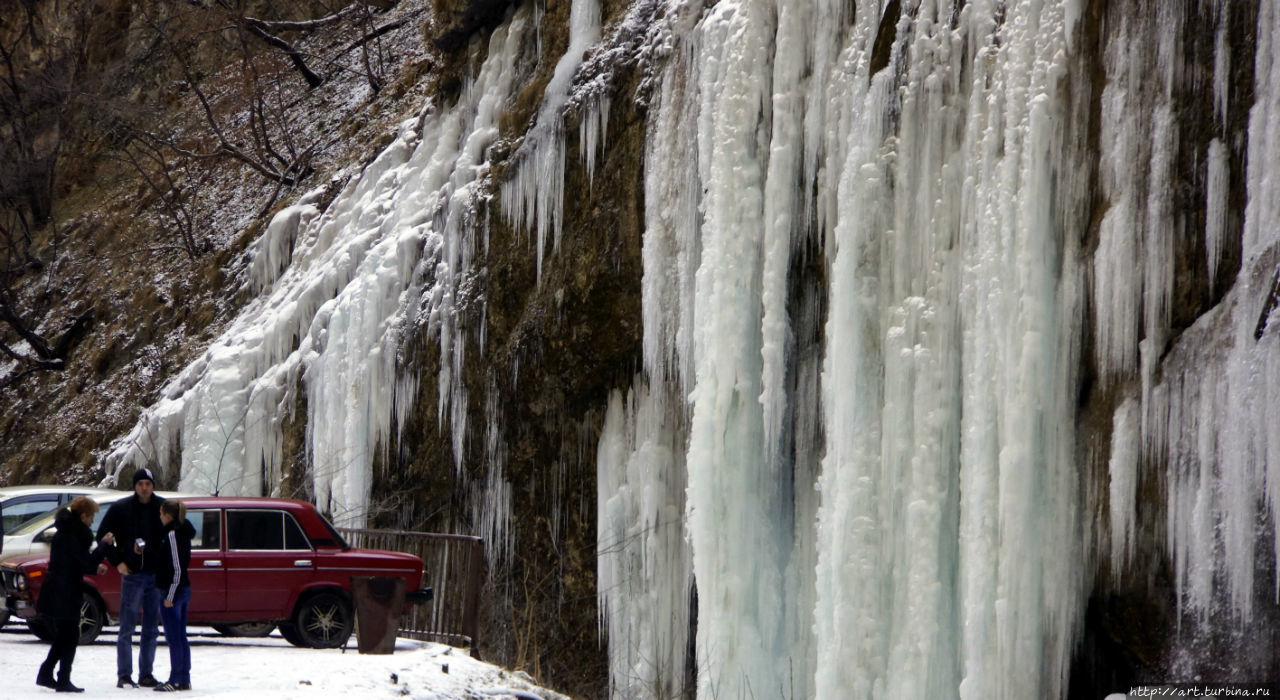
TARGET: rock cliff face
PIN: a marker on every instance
(1011, 349)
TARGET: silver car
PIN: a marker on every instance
(20, 504)
(33, 531)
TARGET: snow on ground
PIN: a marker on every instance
(224, 667)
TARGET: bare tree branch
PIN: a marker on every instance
(294, 55)
(305, 25)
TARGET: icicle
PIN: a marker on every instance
(1221, 65)
(534, 197)
(593, 128)
(491, 501)
(1215, 218)
(670, 251)
(781, 219)
(737, 513)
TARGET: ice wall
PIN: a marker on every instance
(336, 291)
(930, 148)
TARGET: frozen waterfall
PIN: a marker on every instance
(881, 241)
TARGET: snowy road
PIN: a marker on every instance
(270, 667)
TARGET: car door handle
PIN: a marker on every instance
(302, 562)
(213, 562)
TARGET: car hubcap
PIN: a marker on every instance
(324, 621)
(86, 617)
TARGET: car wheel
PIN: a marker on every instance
(40, 628)
(324, 621)
(290, 634)
(92, 618)
(4, 617)
(246, 629)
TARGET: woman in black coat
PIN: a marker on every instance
(60, 596)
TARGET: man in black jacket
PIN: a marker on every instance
(135, 521)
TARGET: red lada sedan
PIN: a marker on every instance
(253, 560)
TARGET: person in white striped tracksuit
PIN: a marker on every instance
(175, 585)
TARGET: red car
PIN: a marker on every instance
(255, 563)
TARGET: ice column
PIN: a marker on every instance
(1126, 443)
(736, 517)
(645, 574)
(948, 550)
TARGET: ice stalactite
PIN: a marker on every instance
(394, 246)
(737, 497)
(592, 130)
(273, 252)
(1215, 224)
(783, 225)
(671, 241)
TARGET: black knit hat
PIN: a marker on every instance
(143, 473)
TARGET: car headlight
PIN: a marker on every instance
(21, 582)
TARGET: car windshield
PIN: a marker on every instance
(36, 524)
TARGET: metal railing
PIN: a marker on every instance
(455, 572)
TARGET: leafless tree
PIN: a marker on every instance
(34, 104)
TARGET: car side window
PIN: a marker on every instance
(264, 530)
(255, 529)
(293, 535)
(208, 524)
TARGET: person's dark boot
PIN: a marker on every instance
(126, 682)
(148, 681)
(67, 687)
(45, 677)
